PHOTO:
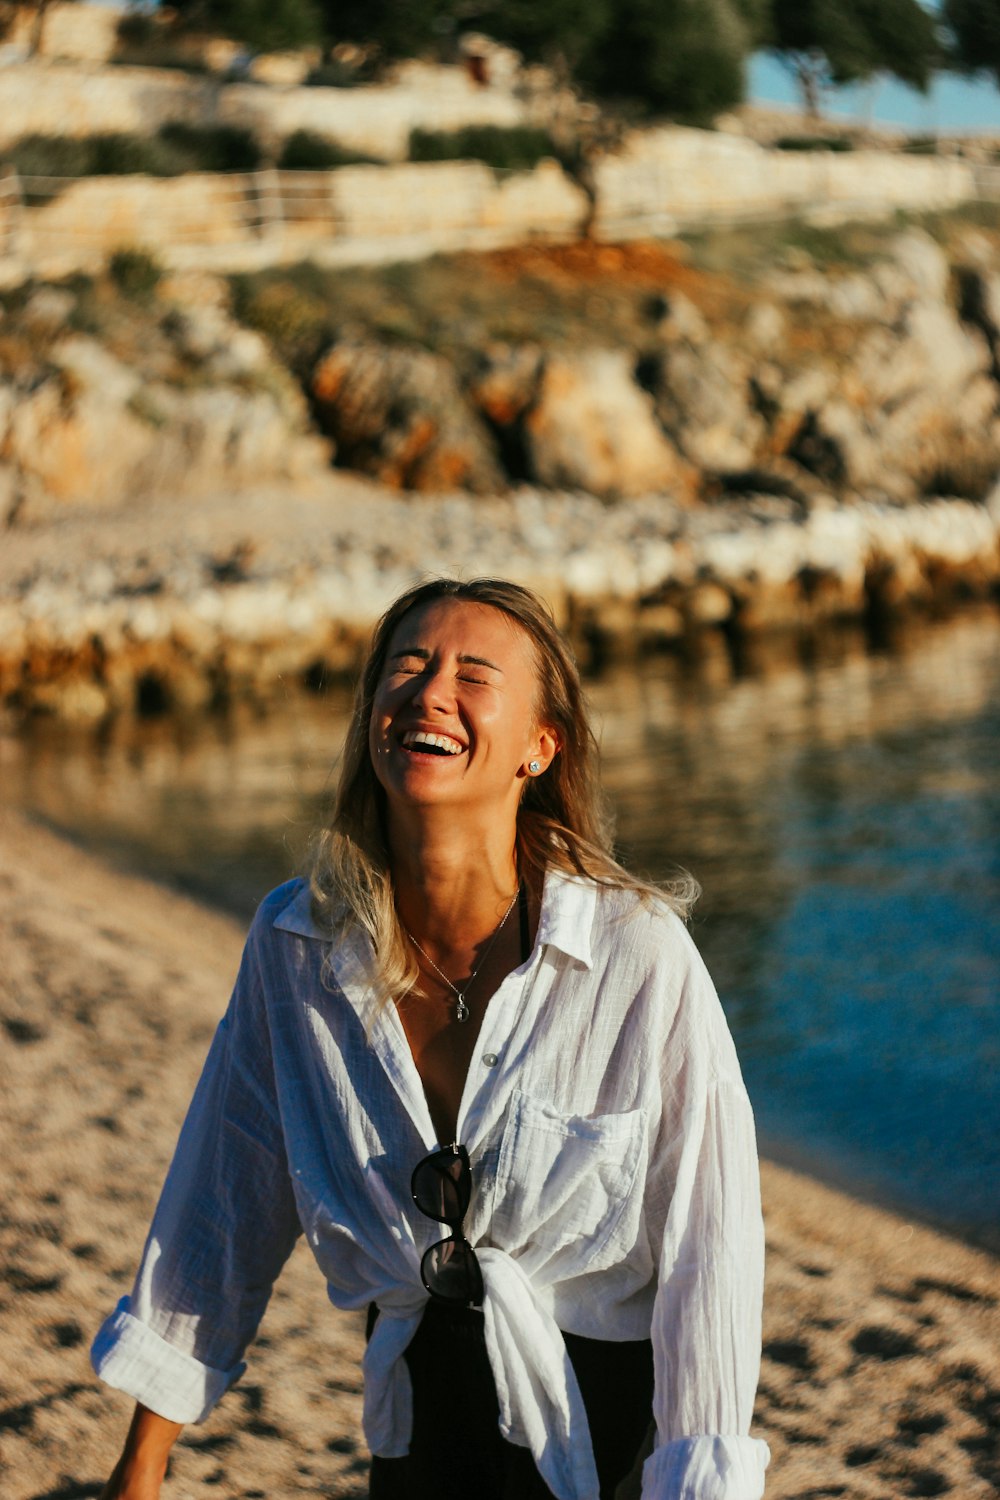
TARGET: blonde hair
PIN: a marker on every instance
(562, 819)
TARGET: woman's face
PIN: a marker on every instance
(453, 721)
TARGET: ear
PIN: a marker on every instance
(543, 751)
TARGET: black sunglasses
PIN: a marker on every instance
(442, 1187)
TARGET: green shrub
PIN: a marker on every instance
(814, 143)
(213, 148)
(505, 147)
(135, 273)
(51, 156)
(304, 151)
(127, 155)
(175, 149)
(921, 145)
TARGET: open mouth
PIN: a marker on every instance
(422, 742)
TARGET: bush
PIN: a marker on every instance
(510, 147)
(126, 155)
(814, 143)
(174, 150)
(213, 148)
(51, 156)
(135, 273)
(921, 145)
(304, 151)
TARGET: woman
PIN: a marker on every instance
(484, 1070)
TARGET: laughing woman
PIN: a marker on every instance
(484, 1070)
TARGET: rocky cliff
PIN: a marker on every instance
(661, 447)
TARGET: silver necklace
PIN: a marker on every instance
(461, 1009)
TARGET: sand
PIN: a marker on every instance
(881, 1370)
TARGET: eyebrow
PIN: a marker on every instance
(465, 660)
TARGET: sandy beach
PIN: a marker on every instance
(881, 1370)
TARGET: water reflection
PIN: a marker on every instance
(842, 813)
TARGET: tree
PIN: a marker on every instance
(264, 25)
(557, 32)
(678, 57)
(399, 28)
(975, 25)
(841, 41)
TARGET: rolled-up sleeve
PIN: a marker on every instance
(225, 1223)
(707, 1315)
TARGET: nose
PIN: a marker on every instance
(434, 691)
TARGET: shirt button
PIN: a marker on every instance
(490, 1059)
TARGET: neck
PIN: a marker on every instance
(451, 888)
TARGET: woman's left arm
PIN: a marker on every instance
(707, 1316)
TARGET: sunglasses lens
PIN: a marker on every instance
(450, 1270)
(442, 1186)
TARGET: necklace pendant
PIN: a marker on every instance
(461, 1009)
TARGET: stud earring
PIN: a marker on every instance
(534, 766)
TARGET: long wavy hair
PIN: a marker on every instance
(562, 819)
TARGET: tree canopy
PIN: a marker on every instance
(841, 41)
(975, 25)
(684, 58)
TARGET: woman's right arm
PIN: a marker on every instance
(225, 1223)
(139, 1472)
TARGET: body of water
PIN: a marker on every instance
(841, 808)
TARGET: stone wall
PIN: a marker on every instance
(659, 181)
(49, 99)
(237, 221)
(79, 33)
(665, 178)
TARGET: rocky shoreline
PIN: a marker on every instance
(661, 448)
(184, 607)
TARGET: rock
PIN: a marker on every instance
(766, 327)
(399, 415)
(10, 495)
(593, 428)
(924, 264)
(48, 309)
(90, 369)
(680, 319)
(856, 299)
(702, 400)
(506, 381)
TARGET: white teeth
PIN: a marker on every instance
(438, 741)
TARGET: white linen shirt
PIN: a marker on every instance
(615, 1187)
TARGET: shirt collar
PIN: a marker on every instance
(566, 921)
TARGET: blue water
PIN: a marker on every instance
(858, 951)
(842, 813)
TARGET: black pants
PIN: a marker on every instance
(457, 1452)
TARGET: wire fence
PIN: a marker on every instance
(60, 224)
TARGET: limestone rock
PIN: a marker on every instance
(506, 381)
(593, 428)
(702, 398)
(399, 415)
(766, 327)
(924, 263)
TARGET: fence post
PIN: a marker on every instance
(267, 189)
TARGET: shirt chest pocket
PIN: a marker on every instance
(568, 1189)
